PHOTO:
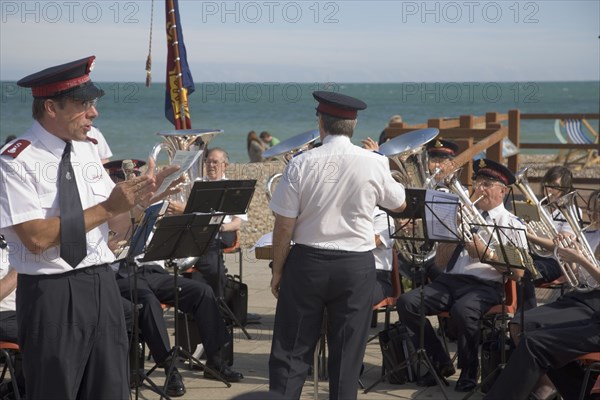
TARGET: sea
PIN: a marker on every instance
(132, 114)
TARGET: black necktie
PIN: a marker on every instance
(73, 247)
(461, 247)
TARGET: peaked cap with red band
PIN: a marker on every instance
(338, 105)
(71, 79)
(442, 148)
(493, 170)
(115, 168)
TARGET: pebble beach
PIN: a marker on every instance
(260, 217)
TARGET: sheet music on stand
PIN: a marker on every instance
(526, 211)
(438, 210)
(225, 196)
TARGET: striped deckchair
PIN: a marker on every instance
(576, 134)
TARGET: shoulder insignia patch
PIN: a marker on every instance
(16, 148)
(91, 139)
(297, 154)
(376, 152)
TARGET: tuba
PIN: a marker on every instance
(579, 279)
(409, 160)
(187, 140)
(284, 152)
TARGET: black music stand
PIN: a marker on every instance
(182, 236)
(510, 259)
(438, 211)
(141, 234)
(227, 197)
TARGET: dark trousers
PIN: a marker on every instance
(383, 287)
(467, 298)
(8, 326)
(314, 281)
(549, 270)
(556, 334)
(156, 286)
(210, 269)
(72, 335)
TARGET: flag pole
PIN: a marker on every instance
(172, 32)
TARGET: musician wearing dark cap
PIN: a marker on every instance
(439, 151)
(56, 206)
(469, 285)
(324, 203)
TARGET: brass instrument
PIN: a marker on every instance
(578, 277)
(285, 150)
(187, 140)
(471, 218)
(544, 227)
(408, 155)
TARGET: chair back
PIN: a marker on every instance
(510, 299)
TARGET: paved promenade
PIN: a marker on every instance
(251, 356)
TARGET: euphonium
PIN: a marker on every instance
(578, 278)
(284, 152)
(544, 228)
(187, 140)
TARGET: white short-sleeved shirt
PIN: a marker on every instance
(332, 190)
(9, 302)
(383, 253)
(593, 239)
(101, 146)
(467, 265)
(29, 190)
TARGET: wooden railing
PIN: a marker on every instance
(467, 130)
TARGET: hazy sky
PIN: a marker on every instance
(310, 41)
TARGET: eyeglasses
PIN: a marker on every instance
(213, 162)
(487, 184)
(87, 104)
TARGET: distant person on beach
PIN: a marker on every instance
(255, 147)
(59, 227)
(324, 203)
(268, 139)
(393, 120)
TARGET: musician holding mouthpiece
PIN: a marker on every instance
(324, 203)
(557, 182)
(559, 332)
(468, 287)
(70, 318)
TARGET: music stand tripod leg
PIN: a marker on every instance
(177, 351)
(139, 375)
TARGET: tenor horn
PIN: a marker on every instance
(285, 150)
(186, 140)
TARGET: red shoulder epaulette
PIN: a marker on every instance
(16, 148)
(91, 139)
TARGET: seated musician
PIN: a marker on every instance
(155, 286)
(559, 332)
(468, 287)
(383, 255)
(556, 183)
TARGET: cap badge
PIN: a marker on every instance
(438, 144)
(482, 164)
